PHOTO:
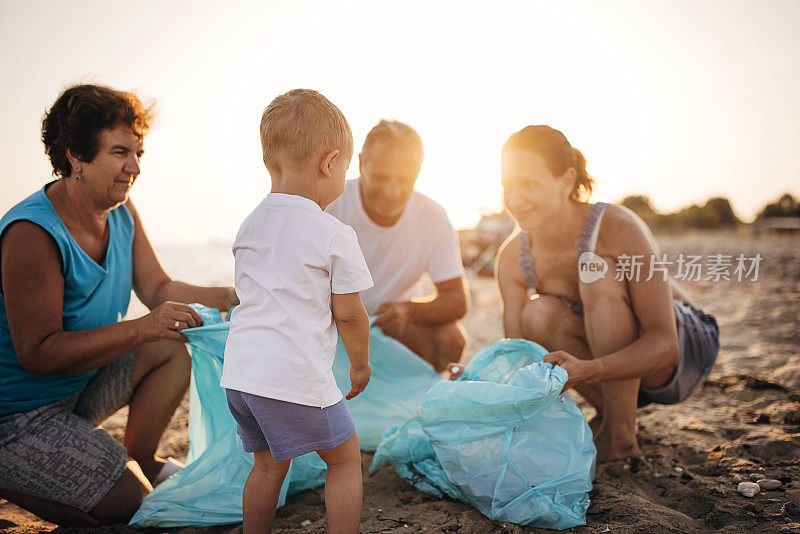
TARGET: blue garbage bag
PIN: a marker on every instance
(209, 490)
(399, 381)
(502, 438)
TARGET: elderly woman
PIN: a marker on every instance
(567, 282)
(69, 256)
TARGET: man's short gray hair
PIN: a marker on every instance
(396, 133)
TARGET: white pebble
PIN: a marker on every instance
(679, 469)
(748, 489)
(769, 484)
(737, 478)
(305, 523)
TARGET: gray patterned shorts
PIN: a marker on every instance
(698, 345)
(56, 452)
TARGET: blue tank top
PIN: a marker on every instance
(95, 295)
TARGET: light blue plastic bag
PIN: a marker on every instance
(502, 439)
(209, 490)
(399, 381)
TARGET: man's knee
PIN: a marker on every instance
(451, 340)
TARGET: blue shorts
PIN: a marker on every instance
(287, 429)
(698, 345)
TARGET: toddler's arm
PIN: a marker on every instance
(353, 325)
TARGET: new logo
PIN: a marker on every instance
(591, 267)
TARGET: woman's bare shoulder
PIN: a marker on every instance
(622, 231)
(509, 250)
(27, 238)
(507, 270)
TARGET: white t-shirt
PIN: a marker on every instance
(421, 241)
(290, 256)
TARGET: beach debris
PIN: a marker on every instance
(606, 529)
(769, 484)
(761, 384)
(679, 469)
(719, 491)
(755, 477)
(761, 419)
(755, 508)
(748, 489)
(737, 478)
(791, 510)
(305, 523)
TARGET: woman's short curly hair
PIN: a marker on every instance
(78, 116)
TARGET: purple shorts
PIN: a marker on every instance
(287, 429)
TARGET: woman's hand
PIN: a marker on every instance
(579, 371)
(359, 378)
(166, 320)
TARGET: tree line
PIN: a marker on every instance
(716, 213)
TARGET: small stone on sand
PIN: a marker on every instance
(737, 478)
(755, 477)
(719, 491)
(769, 484)
(748, 489)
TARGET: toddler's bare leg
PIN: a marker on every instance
(343, 487)
(260, 497)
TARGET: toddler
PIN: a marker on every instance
(298, 272)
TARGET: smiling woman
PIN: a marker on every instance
(69, 256)
(624, 341)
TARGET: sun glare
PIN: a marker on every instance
(670, 117)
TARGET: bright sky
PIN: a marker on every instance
(678, 100)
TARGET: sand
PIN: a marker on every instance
(745, 419)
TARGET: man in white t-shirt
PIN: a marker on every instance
(405, 235)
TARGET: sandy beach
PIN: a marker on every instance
(745, 420)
